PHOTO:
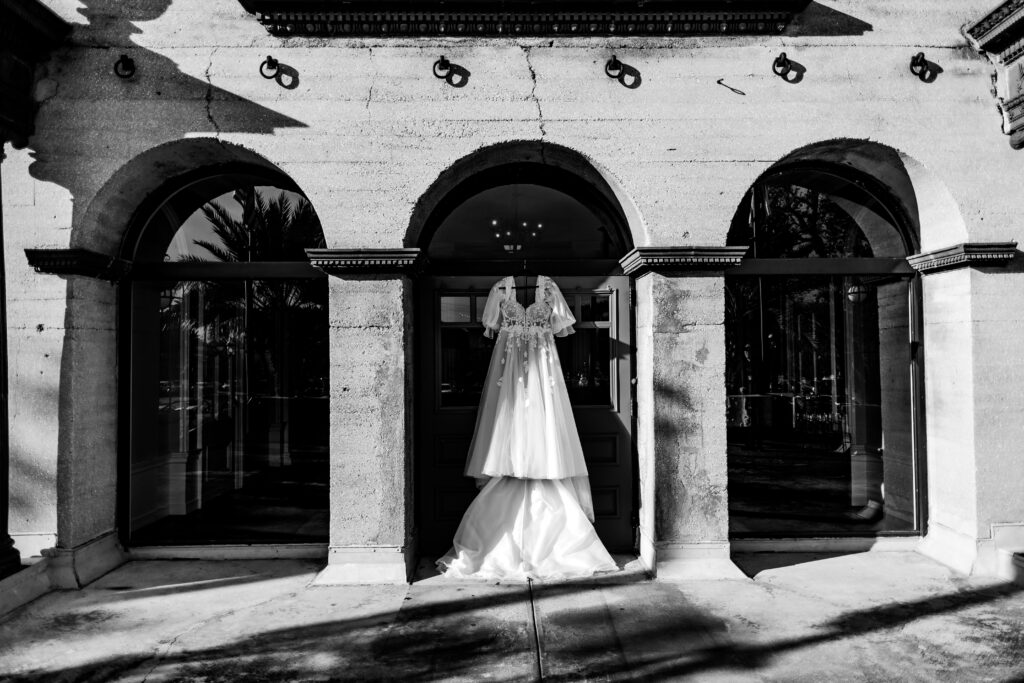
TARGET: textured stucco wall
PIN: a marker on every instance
(366, 131)
(687, 347)
(370, 465)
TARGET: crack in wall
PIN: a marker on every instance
(369, 95)
(209, 94)
(533, 90)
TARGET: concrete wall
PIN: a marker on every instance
(367, 129)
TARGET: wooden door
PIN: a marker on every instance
(452, 359)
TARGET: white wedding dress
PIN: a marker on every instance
(534, 516)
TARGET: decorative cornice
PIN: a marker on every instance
(998, 28)
(680, 259)
(513, 18)
(77, 262)
(366, 261)
(963, 255)
(999, 35)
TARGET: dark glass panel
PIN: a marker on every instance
(464, 358)
(456, 309)
(248, 224)
(586, 360)
(816, 216)
(520, 221)
(230, 428)
(818, 380)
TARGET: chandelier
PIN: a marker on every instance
(515, 234)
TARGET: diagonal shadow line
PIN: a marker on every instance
(856, 623)
(432, 633)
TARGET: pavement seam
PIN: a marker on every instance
(536, 632)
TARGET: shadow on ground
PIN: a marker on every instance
(613, 629)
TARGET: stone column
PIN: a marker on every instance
(681, 425)
(10, 559)
(371, 390)
(973, 298)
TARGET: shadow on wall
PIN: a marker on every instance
(112, 142)
(819, 20)
(94, 121)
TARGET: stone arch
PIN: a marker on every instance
(574, 171)
(137, 187)
(930, 214)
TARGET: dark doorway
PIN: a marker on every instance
(823, 372)
(489, 227)
(452, 358)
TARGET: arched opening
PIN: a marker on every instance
(225, 332)
(823, 369)
(522, 217)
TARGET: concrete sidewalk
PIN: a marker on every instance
(882, 616)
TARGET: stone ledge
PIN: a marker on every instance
(963, 255)
(366, 261)
(77, 262)
(669, 260)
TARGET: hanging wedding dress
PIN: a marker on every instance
(534, 516)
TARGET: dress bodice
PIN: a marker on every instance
(534, 318)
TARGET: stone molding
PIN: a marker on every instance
(395, 18)
(367, 261)
(643, 260)
(77, 262)
(999, 35)
(964, 255)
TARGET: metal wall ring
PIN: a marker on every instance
(782, 66)
(124, 67)
(442, 67)
(269, 67)
(613, 67)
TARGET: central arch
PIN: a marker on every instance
(522, 209)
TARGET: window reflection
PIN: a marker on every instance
(230, 384)
(818, 373)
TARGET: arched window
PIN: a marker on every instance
(229, 368)
(823, 363)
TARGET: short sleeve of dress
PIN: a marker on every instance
(562, 318)
(491, 318)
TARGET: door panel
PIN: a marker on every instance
(452, 361)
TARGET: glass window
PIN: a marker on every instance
(230, 417)
(819, 373)
(520, 221)
(585, 356)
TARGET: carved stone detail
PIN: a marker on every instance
(637, 18)
(1000, 36)
(680, 259)
(964, 255)
(77, 262)
(366, 261)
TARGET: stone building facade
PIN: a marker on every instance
(677, 148)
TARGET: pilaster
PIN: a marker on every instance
(681, 426)
(371, 468)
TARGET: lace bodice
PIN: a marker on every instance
(548, 313)
(534, 318)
